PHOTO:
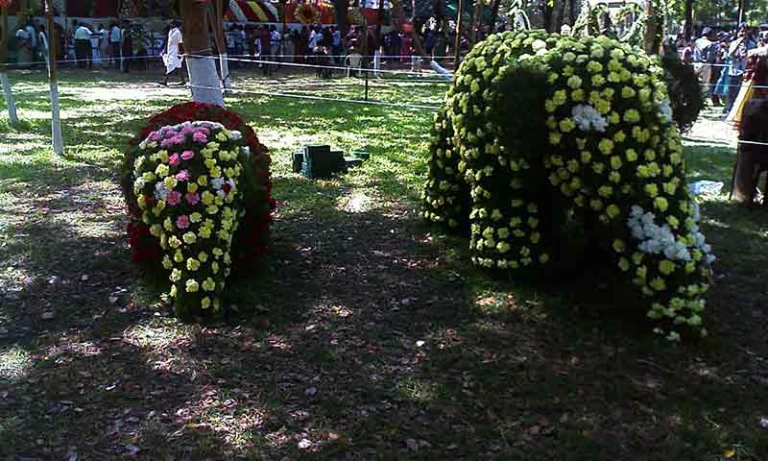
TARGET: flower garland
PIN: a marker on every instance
(596, 140)
(253, 238)
(186, 182)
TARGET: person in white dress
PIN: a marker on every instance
(173, 56)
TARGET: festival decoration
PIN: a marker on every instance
(196, 183)
(307, 13)
(595, 147)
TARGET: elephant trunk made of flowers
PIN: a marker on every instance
(537, 129)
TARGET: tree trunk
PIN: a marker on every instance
(547, 9)
(688, 31)
(457, 45)
(476, 23)
(203, 76)
(494, 13)
(342, 9)
(651, 29)
(217, 17)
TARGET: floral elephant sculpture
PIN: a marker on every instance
(539, 130)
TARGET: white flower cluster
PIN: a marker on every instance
(218, 185)
(665, 111)
(161, 193)
(587, 118)
(696, 232)
(655, 239)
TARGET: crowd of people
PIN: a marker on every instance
(81, 43)
(720, 59)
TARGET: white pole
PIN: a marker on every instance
(224, 66)
(204, 80)
(58, 139)
(377, 62)
(9, 99)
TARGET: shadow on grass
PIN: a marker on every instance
(374, 341)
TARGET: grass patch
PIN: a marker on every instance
(371, 337)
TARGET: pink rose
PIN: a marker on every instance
(174, 197)
(183, 175)
(187, 155)
(182, 222)
(192, 198)
(174, 160)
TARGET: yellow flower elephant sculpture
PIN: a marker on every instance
(539, 132)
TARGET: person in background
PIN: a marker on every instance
(274, 43)
(686, 53)
(314, 39)
(724, 79)
(43, 44)
(242, 39)
(103, 35)
(405, 47)
(288, 45)
(59, 41)
(96, 58)
(336, 44)
(238, 39)
(115, 37)
(126, 47)
(265, 39)
(34, 39)
(702, 56)
(83, 46)
(738, 51)
(173, 56)
(24, 45)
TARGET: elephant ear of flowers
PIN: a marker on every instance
(187, 184)
(548, 132)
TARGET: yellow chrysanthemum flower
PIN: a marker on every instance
(193, 264)
(189, 238)
(192, 286)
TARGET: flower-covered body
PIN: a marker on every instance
(574, 129)
(188, 194)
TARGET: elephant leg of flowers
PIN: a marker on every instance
(446, 194)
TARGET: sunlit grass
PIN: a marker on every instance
(14, 363)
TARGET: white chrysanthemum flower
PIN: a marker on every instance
(587, 118)
(160, 191)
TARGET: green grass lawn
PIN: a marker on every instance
(371, 335)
